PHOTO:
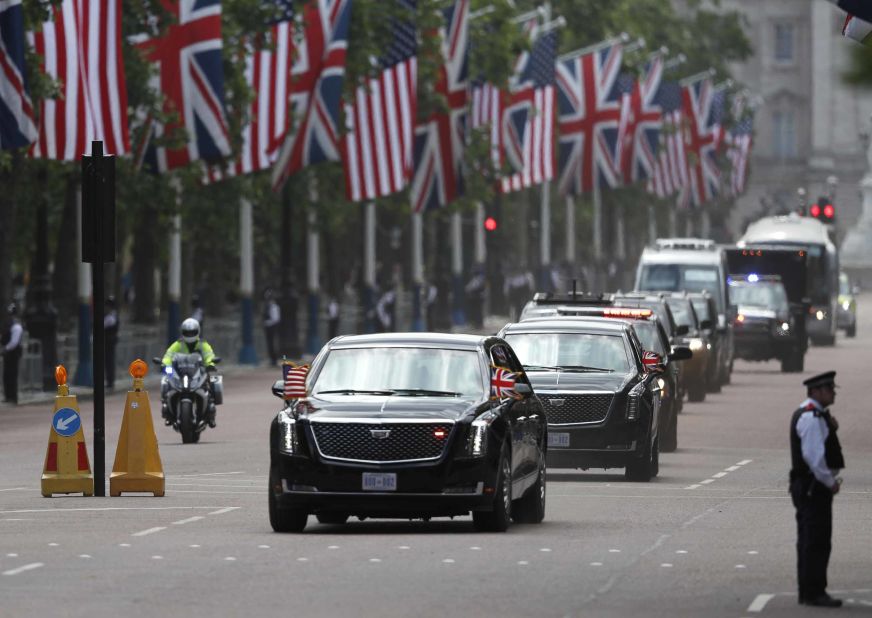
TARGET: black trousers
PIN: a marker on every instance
(814, 526)
(271, 334)
(10, 375)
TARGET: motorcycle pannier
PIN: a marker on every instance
(218, 389)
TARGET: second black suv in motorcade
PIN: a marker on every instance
(602, 404)
(409, 425)
(695, 370)
(763, 328)
(707, 312)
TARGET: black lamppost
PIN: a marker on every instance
(41, 317)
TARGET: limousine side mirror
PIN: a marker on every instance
(680, 353)
(705, 324)
(681, 330)
(523, 389)
(278, 389)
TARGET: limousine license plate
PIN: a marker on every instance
(558, 440)
(379, 481)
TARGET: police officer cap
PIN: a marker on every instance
(827, 378)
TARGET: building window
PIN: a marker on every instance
(784, 129)
(784, 38)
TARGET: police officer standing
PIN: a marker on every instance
(10, 343)
(272, 318)
(816, 458)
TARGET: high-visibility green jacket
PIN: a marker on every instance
(181, 347)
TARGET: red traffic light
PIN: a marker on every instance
(829, 211)
(490, 224)
(815, 211)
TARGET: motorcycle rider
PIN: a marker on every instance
(189, 343)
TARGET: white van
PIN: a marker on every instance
(692, 265)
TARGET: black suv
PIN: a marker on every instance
(603, 406)
(407, 425)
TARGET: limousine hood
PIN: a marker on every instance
(573, 381)
(379, 407)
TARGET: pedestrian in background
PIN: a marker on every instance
(272, 318)
(111, 324)
(332, 317)
(197, 310)
(475, 293)
(816, 459)
(385, 309)
(11, 342)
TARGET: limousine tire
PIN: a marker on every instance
(497, 520)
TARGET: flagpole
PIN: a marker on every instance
(698, 77)
(174, 275)
(597, 230)
(674, 63)
(458, 313)
(417, 271)
(247, 354)
(369, 267)
(570, 232)
(313, 272)
(621, 38)
(545, 238)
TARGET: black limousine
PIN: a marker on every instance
(410, 425)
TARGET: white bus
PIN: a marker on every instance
(806, 234)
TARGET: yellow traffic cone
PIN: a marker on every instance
(66, 469)
(137, 466)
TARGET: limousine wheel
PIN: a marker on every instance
(530, 509)
(285, 520)
(498, 519)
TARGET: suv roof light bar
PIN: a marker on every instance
(695, 244)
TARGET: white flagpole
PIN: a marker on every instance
(247, 354)
(313, 274)
(417, 271)
(570, 231)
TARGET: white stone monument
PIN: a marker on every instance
(856, 249)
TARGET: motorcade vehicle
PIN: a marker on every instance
(707, 312)
(693, 265)
(410, 425)
(661, 342)
(695, 370)
(770, 285)
(846, 318)
(601, 399)
(191, 394)
(812, 237)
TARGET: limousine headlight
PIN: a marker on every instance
(476, 442)
(288, 442)
(634, 401)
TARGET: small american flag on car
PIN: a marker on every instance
(502, 383)
(295, 380)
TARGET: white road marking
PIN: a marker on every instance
(84, 556)
(666, 564)
(302, 560)
(719, 475)
(124, 545)
(475, 548)
(680, 551)
(194, 546)
(18, 519)
(198, 491)
(744, 462)
(706, 482)
(596, 564)
(732, 468)
(107, 508)
(224, 510)
(149, 531)
(740, 566)
(210, 474)
(760, 602)
(753, 552)
(230, 558)
(157, 557)
(11, 555)
(448, 561)
(375, 559)
(53, 545)
(695, 486)
(263, 546)
(523, 562)
(22, 569)
(182, 522)
(333, 547)
(403, 547)
(16, 489)
(545, 549)
(614, 551)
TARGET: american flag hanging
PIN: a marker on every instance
(703, 112)
(81, 50)
(439, 142)
(191, 78)
(670, 174)
(17, 128)
(641, 121)
(502, 383)
(316, 90)
(589, 106)
(380, 121)
(739, 140)
(295, 380)
(527, 118)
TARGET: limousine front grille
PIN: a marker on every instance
(574, 409)
(381, 442)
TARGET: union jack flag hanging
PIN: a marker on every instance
(294, 380)
(527, 117)
(316, 89)
(81, 50)
(703, 111)
(438, 178)
(670, 173)
(589, 104)
(641, 121)
(191, 79)
(503, 383)
(739, 139)
(17, 128)
(377, 151)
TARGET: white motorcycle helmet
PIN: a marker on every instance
(190, 330)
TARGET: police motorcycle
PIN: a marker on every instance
(189, 393)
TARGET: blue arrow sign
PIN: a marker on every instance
(66, 422)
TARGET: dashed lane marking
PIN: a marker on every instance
(263, 546)
(759, 602)
(596, 564)
(11, 555)
(523, 562)
(375, 559)
(732, 468)
(680, 551)
(53, 545)
(210, 474)
(157, 557)
(448, 561)
(744, 462)
(666, 565)
(224, 510)
(694, 486)
(22, 569)
(706, 482)
(740, 566)
(124, 545)
(195, 546)
(721, 474)
(475, 548)
(545, 549)
(16, 489)
(149, 531)
(86, 556)
(753, 552)
(189, 520)
(111, 508)
(333, 547)
(614, 551)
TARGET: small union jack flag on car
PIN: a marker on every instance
(295, 380)
(650, 360)
(503, 383)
